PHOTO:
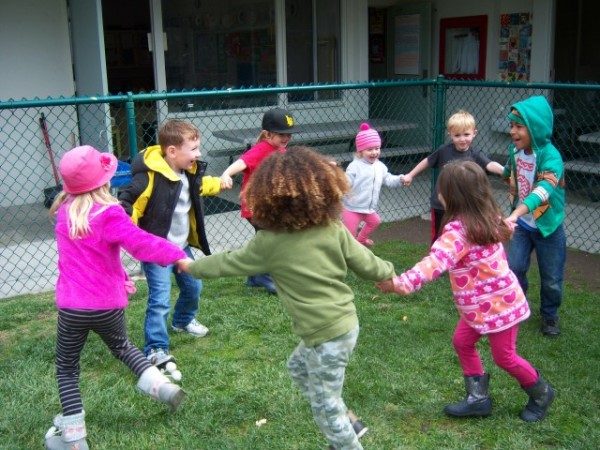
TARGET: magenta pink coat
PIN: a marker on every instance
(91, 274)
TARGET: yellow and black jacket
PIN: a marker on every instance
(151, 197)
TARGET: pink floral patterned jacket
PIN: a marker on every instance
(486, 292)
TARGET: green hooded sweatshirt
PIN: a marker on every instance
(547, 198)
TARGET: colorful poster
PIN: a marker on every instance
(514, 58)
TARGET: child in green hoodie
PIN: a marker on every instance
(535, 172)
(296, 201)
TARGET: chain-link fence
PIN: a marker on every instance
(410, 116)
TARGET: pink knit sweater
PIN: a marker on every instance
(486, 292)
(91, 275)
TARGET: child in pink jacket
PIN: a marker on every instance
(92, 287)
(486, 292)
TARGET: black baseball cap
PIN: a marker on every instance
(278, 120)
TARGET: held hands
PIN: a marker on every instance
(183, 265)
(518, 212)
(386, 285)
(226, 182)
(407, 180)
(393, 285)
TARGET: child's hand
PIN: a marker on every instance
(226, 182)
(407, 180)
(386, 285)
(183, 265)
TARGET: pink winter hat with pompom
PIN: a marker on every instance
(367, 138)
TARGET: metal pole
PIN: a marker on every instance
(131, 129)
(439, 125)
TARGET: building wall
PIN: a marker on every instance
(542, 40)
(35, 52)
(35, 60)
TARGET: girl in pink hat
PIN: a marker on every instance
(92, 287)
(366, 174)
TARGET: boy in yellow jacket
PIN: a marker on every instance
(164, 199)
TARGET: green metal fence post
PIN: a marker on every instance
(439, 125)
(131, 129)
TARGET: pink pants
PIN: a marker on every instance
(504, 352)
(353, 219)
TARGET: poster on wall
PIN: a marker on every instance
(407, 30)
(515, 47)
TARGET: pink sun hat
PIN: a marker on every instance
(84, 169)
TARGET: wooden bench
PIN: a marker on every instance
(583, 166)
(593, 138)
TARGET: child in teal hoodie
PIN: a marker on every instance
(535, 172)
(296, 200)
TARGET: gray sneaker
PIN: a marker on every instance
(194, 328)
(159, 357)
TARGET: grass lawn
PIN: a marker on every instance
(402, 373)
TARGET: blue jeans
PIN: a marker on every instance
(159, 302)
(551, 255)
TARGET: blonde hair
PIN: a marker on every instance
(79, 208)
(175, 132)
(460, 120)
(265, 135)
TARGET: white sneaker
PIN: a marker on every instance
(194, 328)
(159, 357)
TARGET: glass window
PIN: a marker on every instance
(229, 43)
(313, 45)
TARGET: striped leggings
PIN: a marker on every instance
(73, 328)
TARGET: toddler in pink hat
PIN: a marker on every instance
(92, 287)
(366, 174)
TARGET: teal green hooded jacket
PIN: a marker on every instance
(547, 199)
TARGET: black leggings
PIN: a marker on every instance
(73, 328)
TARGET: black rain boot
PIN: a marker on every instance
(477, 402)
(541, 396)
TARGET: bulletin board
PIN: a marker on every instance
(514, 60)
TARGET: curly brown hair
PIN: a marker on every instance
(468, 196)
(296, 190)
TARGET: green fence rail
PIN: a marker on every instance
(409, 114)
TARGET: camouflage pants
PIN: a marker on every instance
(319, 373)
